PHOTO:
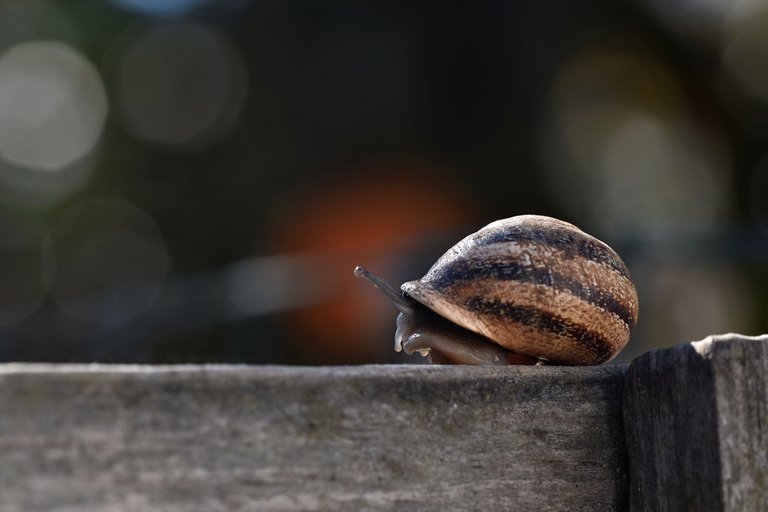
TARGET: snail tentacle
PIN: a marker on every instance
(397, 298)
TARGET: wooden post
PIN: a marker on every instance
(697, 426)
(223, 438)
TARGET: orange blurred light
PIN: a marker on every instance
(379, 216)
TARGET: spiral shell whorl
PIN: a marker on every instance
(537, 286)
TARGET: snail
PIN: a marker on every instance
(524, 290)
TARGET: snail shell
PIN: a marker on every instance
(535, 286)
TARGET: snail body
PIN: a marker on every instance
(524, 290)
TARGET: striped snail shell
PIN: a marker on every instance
(524, 290)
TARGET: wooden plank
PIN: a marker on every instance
(229, 438)
(697, 426)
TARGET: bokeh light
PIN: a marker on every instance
(745, 45)
(271, 284)
(624, 155)
(107, 261)
(688, 302)
(52, 105)
(160, 7)
(178, 84)
(694, 17)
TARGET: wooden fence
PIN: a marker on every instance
(684, 428)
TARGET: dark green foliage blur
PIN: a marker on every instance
(193, 181)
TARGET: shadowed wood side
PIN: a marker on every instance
(229, 438)
(697, 426)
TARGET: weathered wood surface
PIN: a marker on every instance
(114, 438)
(697, 426)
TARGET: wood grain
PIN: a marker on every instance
(697, 426)
(236, 438)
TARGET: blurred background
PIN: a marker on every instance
(194, 181)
